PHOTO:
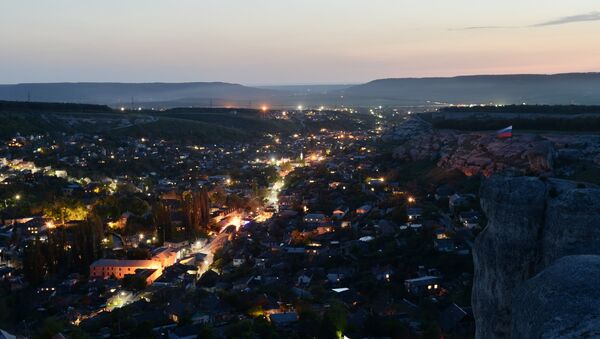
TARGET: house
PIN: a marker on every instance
(237, 262)
(440, 233)
(165, 256)
(407, 309)
(178, 274)
(294, 250)
(444, 245)
(304, 280)
(443, 192)
(457, 201)
(178, 310)
(364, 209)
(338, 274)
(148, 274)
(314, 219)
(283, 319)
(6, 335)
(415, 226)
(469, 219)
(414, 213)
(454, 319)
(35, 226)
(394, 187)
(339, 212)
(6, 272)
(383, 273)
(261, 261)
(184, 332)
(422, 285)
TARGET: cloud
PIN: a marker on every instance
(592, 16)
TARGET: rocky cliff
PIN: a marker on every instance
(531, 224)
(482, 153)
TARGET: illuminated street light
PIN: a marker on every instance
(18, 197)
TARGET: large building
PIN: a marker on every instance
(150, 269)
(165, 256)
(120, 268)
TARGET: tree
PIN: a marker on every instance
(134, 205)
(240, 329)
(263, 328)
(196, 209)
(134, 282)
(34, 264)
(50, 327)
(206, 332)
(64, 210)
(161, 218)
(334, 321)
(399, 214)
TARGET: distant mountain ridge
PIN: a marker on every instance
(113, 93)
(566, 88)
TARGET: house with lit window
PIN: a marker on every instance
(314, 219)
(414, 213)
(423, 285)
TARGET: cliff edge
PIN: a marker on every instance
(532, 223)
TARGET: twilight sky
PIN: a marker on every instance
(259, 42)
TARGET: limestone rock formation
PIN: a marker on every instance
(560, 302)
(531, 223)
(482, 153)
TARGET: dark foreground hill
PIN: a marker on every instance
(192, 124)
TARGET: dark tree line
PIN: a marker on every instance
(161, 218)
(196, 210)
(64, 251)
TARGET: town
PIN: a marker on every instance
(316, 233)
(299, 169)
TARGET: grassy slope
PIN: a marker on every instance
(191, 126)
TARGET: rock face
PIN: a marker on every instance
(531, 224)
(560, 302)
(482, 153)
